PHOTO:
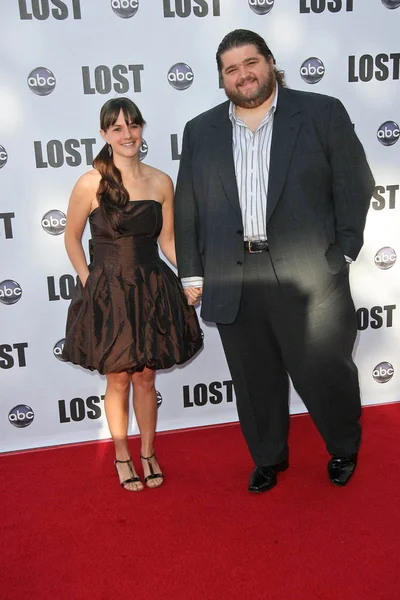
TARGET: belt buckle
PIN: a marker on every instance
(253, 251)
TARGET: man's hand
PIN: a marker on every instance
(193, 294)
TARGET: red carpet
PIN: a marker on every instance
(68, 531)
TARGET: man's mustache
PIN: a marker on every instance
(246, 80)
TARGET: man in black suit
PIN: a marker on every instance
(271, 201)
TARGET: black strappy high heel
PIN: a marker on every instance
(152, 474)
(133, 479)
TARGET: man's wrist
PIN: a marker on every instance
(195, 281)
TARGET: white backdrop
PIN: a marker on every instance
(61, 60)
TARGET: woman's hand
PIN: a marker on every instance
(83, 278)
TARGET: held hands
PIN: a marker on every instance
(193, 295)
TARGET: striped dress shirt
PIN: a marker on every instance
(251, 153)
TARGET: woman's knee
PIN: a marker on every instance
(118, 382)
(144, 380)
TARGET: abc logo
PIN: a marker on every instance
(312, 70)
(261, 7)
(143, 150)
(180, 76)
(159, 399)
(10, 291)
(125, 8)
(41, 81)
(58, 349)
(388, 133)
(21, 416)
(391, 4)
(383, 372)
(385, 258)
(54, 222)
(3, 157)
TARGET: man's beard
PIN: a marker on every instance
(260, 95)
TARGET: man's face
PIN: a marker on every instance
(248, 77)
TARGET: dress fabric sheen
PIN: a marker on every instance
(132, 311)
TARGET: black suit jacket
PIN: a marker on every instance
(319, 191)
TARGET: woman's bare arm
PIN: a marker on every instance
(79, 208)
(166, 238)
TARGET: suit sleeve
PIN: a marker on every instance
(352, 181)
(186, 216)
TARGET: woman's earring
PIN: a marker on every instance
(109, 150)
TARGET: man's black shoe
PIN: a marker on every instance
(263, 479)
(341, 468)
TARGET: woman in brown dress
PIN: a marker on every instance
(129, 315)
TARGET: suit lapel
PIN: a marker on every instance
(221, 144)
(287, 123)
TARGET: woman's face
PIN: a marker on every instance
(124, 139)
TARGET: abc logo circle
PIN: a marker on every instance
(3, 157)
(312, 70)
(159, 399)
(383, 372)
(143, 150)
(391, 4)
(125, 8)
(54, 222)
(58, 349)
(180, 76)
(21, 416)
(10, 291)
(41, 81)
(261, 7)
(388, 133)
(385, 258)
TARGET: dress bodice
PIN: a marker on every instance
(135, 242)
(142, 218)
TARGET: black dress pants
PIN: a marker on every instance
(270, 340)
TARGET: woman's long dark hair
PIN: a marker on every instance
(112, 196)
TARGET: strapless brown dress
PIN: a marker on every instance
(132, 311)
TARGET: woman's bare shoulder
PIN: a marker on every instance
(158, 176)
(89, 181)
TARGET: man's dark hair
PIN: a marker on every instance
(245, 37)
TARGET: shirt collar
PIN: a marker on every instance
(271, 110)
